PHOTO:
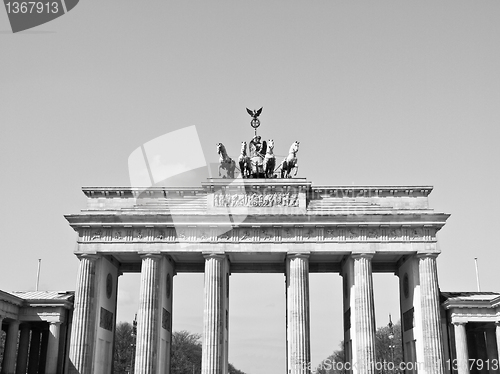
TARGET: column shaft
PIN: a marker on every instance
(34, 351)
(461, 348)
(213, 316)
(22, 352)
(298, 329)
(147, 317)
(431, 317)
(82, 331)
(364, 313)
(43, 351)
(53, 348)
(9, 358)
(497, 333)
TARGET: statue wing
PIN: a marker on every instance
(258, 112)
(250, 112)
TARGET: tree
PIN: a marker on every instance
(388, 345)
(124, 348)
(333, 364)
(233, 370)
(185, 352)
(388, 348)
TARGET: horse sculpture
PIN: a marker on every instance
(290, 162)
(244, 162)
(225, 162)
(269, 160)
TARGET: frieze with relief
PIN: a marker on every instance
(260, 234)
(255, 199)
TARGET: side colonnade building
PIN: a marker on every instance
(228, 226)
(37, 326)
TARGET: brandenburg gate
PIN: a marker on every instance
(255, 225)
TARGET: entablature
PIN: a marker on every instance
(267, 233)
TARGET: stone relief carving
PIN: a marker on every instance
(224, 236)
(265, 234)
(246, 235)
(372, 234)
(97, 235)
(352, 234)
(308, 234)
(288, 233)
(182, 235)
(331, 233)
(254, 199)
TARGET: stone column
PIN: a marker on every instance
(83, 324)
(53, 348)
(297, 308)
(9, 358)
(147, 317)
(22, 351)
(213, 316)
(491, 349)
(431, 317)
(43, 351)
(34, 351)
(497, 333)
(364, 313)
(461, 348)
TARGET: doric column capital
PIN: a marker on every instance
(459, 323)
(153, 255)
(367, 255)
(219, 255)
(423, 255)
(298, 254)
(88, 256)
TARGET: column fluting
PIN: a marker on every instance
(298, 331)
(431, 317)
(213, 316)
(461, 348)
(82, 330)
(147, 317)
(364, 313)
(53, 348)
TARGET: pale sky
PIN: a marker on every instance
(377, 93)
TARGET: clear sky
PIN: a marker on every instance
(386, 92)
